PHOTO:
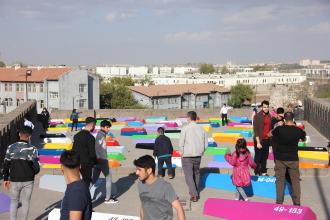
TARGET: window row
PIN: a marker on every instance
(20, 87)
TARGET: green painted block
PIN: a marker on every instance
(301, 144)
(217, 150)
(173, 135)
(61, 126)
(116, 156)
(147, 136)
(117, 127)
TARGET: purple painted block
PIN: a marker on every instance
(227, 209)
(144, 141)
(217, 164)
(49, 159)
(4, 203)
(55, 123)
(152, 127)
(237, 123)
(123, 119)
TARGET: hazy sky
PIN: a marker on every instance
(163, 31)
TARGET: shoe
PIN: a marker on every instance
(111, 201)
(264, 174)
(194, 198)
(170, 176)
(246, 200)
(160, 176)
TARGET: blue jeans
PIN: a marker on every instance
(20, 191)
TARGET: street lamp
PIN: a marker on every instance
(27, 73)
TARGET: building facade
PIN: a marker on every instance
(189, 96)
(52, 87)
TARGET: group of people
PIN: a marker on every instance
(88, 158)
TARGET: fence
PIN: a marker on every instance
(317, 113)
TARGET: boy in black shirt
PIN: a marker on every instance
(77, 202)
(84, 145)
(287, 137)
(163, 151)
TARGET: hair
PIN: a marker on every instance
(105, 123)
(90, 120)
(73, 110)
(224, 104)
(146, 162)
(26, 130)
(70, 159)
(240, 145)
(280, 110)
(288, 116)
(192, 115)
(265, 102)
(161, 130)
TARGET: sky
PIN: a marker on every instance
(143, 32)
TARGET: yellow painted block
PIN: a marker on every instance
(215, 119)
(314, 155)
(202, 121)
(58, 129)
(66, 146)
(68, 120)
(51, 166)
(227, 135)
(207, 128)
(119, 123)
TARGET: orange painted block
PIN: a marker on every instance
(226, 137)
(114, 163)
(306, 165)
(108, 138)
(119, 123)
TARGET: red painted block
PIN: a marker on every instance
(250, 144)
(234, 209)
(176, 153)
(132, 129)
(112, 143)
(301, 125)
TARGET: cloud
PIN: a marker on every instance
(119, 16)
(192, 37)
(321, 28)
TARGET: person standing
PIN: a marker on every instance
(74, 118)
(223, 113)
(288, 137)
(261, 128)
(278, 120)
(18, 172)
(77, 202)
(103, 164)
(193, 142)
(45, 116)
(240, 160)
(157, 196)
(163, 151)
(84, 145)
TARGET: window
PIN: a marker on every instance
(41, 87)
(9, 101)
(17, 88)
(42, 104)
(82, 87)
(22, 87)
(53, 95)
(82, 103)
(29, 86)
(34, 87)
(8, 87)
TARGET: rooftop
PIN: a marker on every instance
(13, 74)
(172, 90)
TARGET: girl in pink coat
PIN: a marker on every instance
(240, 160)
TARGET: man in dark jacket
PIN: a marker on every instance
(18, 172)
(261, 128)
(163, 151)
(84, 145)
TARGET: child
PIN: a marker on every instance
(240, 160)
(163, 151)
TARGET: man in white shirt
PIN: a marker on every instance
(193, 142)
(223, 113)
(28, 123)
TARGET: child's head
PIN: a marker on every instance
(240, 145)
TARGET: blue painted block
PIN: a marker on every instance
(50, 152)
(219, 158)
(263, 186)
(245, 134)
(165, 167)
(246, 121)
(110, 134)
(135, 123)
(215, 124)
(80, 125)
(212, 144)
(131, 133)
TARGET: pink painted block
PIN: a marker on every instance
(271, 156)
(49, 159)
(234, 209)
(232, 124)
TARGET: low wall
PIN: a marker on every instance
(10, 123)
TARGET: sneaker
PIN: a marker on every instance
(170, 176)
(111, 201)
(194, 198)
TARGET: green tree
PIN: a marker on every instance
(262, 68)
(146, 81)
(323, 92)
(116, 94)
(239, 94)
(224, 70)
(206, 68)
(2, 64)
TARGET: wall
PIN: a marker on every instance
(11, 122)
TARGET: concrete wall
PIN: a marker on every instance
(142, 99)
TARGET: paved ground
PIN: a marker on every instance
(315, 189)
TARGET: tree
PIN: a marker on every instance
(262, 68)
(224, 70)
(206, 68)
(323, 91)
(239, 94)
(146, 81)
(116, 94)
(2, 64)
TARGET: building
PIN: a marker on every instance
(188, 96)
(52, 87)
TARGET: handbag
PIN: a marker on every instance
(35, 166)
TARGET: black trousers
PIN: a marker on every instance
(74, 124)
(224, 119)
(168, 161)
(86, 173)
(261, 156)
